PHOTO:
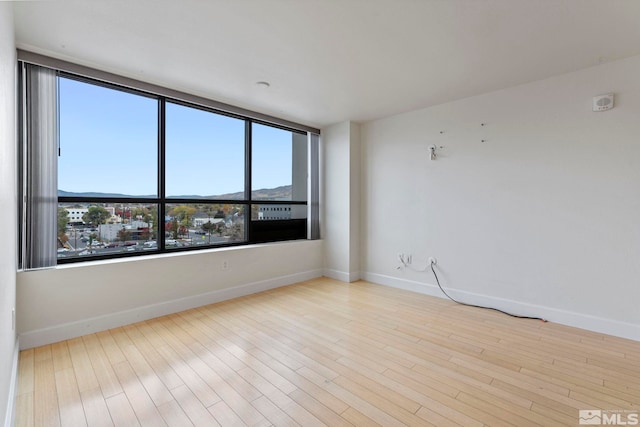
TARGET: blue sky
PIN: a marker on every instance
(108, 141)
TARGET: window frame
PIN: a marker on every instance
(161, 200)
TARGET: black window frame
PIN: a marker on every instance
(266, 231)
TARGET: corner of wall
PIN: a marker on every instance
(341, 171)
(9, 202)
(13, 387)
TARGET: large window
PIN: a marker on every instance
(140, 173)
(108, 141)
(205, 154)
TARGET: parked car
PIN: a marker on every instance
(147, 246)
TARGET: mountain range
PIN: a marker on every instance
(278, 193)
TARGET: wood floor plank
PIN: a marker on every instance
(162, 369)
(95, 408)
(45, 397)
(110, 347)
(61, 356)
(373, 381)
(358, 419)
(379, 401)
(193, 408)
(224, 374)
(213, 380)
(435, 419)
(121, 411)
(225, 416)
(302, 383)
(42, 353)
(542, 398)
(355, 401)
(323, 352)
(70, 404)
(275, 415)
(25, 409)
(85, 374)
(138, 397)
(145, 373)
(199, 387)
(102, 368)
(324, 414)
(26, 362)
(174, 415)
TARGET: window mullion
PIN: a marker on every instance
(161, 172)
(247, 179)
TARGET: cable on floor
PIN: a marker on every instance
(479, 306)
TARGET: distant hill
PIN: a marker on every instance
(62, 193)
(278, 193)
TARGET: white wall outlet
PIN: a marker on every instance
(225, 265)
(433, 261)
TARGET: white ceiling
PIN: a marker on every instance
(332, 60)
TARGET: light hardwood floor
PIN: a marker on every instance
(324, 352)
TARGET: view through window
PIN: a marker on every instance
(139, 173)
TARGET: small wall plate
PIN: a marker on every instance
(603, 102)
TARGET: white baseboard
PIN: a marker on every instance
(100, 323)
(13, 387)
(343, 276)
(569, 318)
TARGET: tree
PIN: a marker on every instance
(173, 227)
(236, 231)
(182, 216)
(149, 216)
(182, 213)
(145, 234)
(208, 227)
(124, 234)
(92, 238)
(138, 212)
(96, 215)
(63, 220)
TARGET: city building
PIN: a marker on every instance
(76, 214)
(136, 230)
(200, 220)
(270, 212)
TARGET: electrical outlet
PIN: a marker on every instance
(433, 261)
(225, 265)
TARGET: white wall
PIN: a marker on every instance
(341, 192)
(354, 201)
(543, 218)
(8, 202)
(72, 300)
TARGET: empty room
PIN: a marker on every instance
(320, 213)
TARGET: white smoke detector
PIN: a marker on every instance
(603, 102)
